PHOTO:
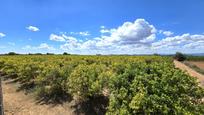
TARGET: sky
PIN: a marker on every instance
(102, 26)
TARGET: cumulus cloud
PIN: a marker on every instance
(184, 41)
(138, 32)
(166, 33)
(2, 35)
(131, 38)
(131, 34)
(71, 43)
(55, 37)
(33, 28)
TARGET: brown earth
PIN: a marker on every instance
(18, 103)
(190, 71)
(199, 64)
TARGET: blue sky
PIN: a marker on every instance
(102, 26)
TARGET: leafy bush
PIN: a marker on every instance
(51, 85)
(132, 84)
(161, 90)
(27, 75)
(83, 82)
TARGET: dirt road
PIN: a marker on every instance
(18, 103)
(190, 71)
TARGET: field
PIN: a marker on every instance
(196, 63)
(199, 64)
(124, 85)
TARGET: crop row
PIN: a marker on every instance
(132, 84)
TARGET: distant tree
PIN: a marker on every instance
(12, 53)
(179, 56)
(156, 54)
(65, 53)
(38, 54)
(50, 53)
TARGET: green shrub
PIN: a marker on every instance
(51, 85)
(83, 82)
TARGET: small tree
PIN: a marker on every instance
(156, 54)
(65, 53)
(49, 53)
(12, 53)
(38, 54)
(179, 56)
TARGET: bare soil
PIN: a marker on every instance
(190, 71)
(199, 64)
(18, 103)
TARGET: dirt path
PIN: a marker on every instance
(18, 103)
(190, 71)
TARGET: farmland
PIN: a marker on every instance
(196, 63)
(119, 84)
(200, 64)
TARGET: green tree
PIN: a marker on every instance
(179, 56)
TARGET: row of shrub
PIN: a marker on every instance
(132, 84)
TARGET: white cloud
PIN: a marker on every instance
(102, 27)
(193, 45)
(45, 46)
(69, 38)
(85, 33)
(33, 28)
(134, 38)
(71, 43)
(107, 31)
(55, 37)
(41, 46)
(137, 34)
(2, 35)
(182, 41)
(166, 33)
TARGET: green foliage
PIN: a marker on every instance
(179, 56)
(12, 53)
(65, 53)
(84, 82)
(51, 85)
(133, 84)
(195, 58)
(50, 54)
